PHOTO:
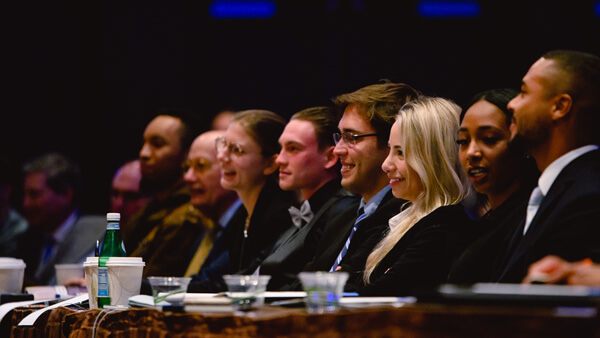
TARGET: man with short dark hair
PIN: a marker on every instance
(307, 165)
(361, 145)
(556, 116)
(167, 139)
(58, 232)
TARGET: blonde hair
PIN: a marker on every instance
(428, 128)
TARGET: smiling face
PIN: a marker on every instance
(203, 174)
(533, 106)
(302, 166)
(361, 163)
(405, 182)
(484, 152)
(244, 169)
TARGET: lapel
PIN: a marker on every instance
(520, 244)
(64, 249)
(295, 232)
(387, 208)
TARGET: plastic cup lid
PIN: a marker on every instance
(91, 261)
(112, 261)
(125, 261)
(68, 266)
(11, 263)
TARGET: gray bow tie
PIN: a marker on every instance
(301, 216)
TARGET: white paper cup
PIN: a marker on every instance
(12, 271)
(323, 290)
(124, 278)
(91, 280)
(66, 273)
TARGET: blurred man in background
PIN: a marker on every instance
(126, 196)
(58, 232)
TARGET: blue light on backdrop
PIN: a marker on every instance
(222, 9)
(449, 9)
(597, 8)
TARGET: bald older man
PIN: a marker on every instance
(126, 197)
(187, 234)
(202, 176)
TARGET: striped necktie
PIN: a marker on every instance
(361, 216)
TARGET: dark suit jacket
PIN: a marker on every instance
(421, 258)
(368, 234)
(270, 219)
(169, 247)
(491, 235)
(217, 262)
(151, 215)
(566, 223)
(79, 243)
(299, 245)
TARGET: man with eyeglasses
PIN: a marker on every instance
(126, 197)
(202, 175)
(362, 146)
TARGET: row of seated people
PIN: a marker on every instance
(378, 186)
(399, 221)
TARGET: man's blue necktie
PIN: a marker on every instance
(361, 216)
(48, 248)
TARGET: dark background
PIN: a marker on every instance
(85, 79)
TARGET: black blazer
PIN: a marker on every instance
(421, 258)
(566, 223)
(217, 261)
(270, 219)
(298, 245)
(491, 235)
(367, 235)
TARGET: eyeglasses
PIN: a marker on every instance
(349, 138)
(126, 195)
(199, 165)
(233, 148)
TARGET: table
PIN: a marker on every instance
(409, 320)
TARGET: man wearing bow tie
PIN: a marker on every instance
(307, 165)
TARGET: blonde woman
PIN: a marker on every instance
(423, 168)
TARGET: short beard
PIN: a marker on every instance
(531, 140)
(516, 144)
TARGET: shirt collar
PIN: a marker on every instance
(374, 202)
(553, 170)
(60, 233)
(228, 214)
(321, 196)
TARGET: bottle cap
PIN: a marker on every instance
(113, 216)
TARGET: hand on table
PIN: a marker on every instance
(555, 270)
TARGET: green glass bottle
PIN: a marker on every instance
(112, 246)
